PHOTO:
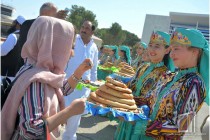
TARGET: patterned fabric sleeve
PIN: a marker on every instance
(189, 101)
(135, 77)
(31, 125)
(66, 89)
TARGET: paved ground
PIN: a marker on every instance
(95, 128)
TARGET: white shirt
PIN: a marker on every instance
(81, 52)
(9, 44)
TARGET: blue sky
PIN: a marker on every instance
(130, 14)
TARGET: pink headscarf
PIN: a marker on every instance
(47, 48)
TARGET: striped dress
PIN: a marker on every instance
(31, 124)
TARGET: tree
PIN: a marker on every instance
(113, 35)
(131, 39)
(116, 36)
(79, 14)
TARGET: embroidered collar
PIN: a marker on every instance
(151, 67)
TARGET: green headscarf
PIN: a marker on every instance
(127, 52)
(115, 48)
(194, 38)
(144, 45)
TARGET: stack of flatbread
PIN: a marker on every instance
(126, 70)
(108, 64)
(114, 94)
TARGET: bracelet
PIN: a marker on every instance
(75, 78)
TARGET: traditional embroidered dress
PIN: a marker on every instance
(178, 97)
(136, 62)
(146, 77)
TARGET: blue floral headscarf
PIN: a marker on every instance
(143, 44)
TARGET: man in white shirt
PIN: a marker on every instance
(84, 48)
(11, 40)
(9, 53)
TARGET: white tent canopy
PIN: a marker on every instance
(97, 40)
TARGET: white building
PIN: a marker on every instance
(6, 19)
(155, 22)
(170, 23)
(97, 40)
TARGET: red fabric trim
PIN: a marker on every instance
(47, 134)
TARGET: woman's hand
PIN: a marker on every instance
(75, 78)
(78, 106)
(86, 65)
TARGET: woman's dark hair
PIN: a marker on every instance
(101, 48)
(93, 27)
(114, 53)
(13, 27)
(125, 55)
(166, 57)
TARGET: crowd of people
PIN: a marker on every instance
(49, 58)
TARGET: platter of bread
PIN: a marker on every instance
(115, 97)
(125, 70)
(114, 94)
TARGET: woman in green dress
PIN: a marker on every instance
(147, 75)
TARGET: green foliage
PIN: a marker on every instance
(79, 14)
(131, 39)
(116, 36)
